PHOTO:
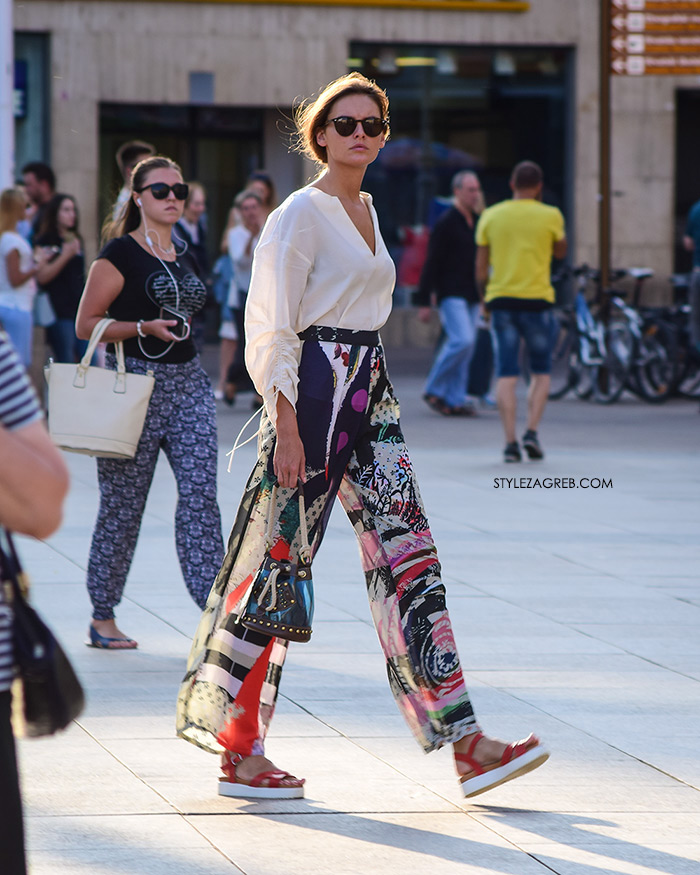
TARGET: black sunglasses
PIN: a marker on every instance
(346, 125)
(160, 190)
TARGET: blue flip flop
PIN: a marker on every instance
(101, 642)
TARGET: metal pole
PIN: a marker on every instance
(7, 84)
(604, 160)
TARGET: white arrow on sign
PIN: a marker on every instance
(619, 43)
(619, 66)
(619, 21)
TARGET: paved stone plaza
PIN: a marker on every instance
(577, 614)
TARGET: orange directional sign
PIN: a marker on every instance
(643, 44)
(655, 37)
(657, 22)
(641, 65)
(655, 6)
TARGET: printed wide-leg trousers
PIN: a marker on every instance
(348, 421)
(181, 420)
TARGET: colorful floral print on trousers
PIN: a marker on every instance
(348, 422)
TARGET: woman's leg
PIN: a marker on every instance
(61, 337)
(190, 444)
(332, 400)
(12, 860)
(227, 353)
(19, 325)
(407, 598)
(228, 695)
(124, 486)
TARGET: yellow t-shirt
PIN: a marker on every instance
(520, 234)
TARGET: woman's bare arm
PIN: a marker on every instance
(289, 459)
(33, 481)
(15, 274)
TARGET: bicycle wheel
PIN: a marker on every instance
(655, 367)
(563, 353)
(610, 378)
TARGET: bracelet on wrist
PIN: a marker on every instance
(139, 328)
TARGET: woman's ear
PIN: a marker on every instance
(321, 137)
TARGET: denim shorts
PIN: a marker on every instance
(534, 327)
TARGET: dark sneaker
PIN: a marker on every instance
(512, 452)
(532, 446)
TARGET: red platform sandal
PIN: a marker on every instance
(518, 758)
(266, 785)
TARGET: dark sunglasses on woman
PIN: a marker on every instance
(345, 125)
(160, 190)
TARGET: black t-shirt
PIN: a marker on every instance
(449, 265)
(66, 287)
(147, 287)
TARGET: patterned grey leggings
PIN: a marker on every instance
(181, 420)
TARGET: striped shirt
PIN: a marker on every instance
(19, 407)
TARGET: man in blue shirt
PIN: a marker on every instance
(691, 241)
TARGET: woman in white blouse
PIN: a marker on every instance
(320, 290)
(17, 272)
(242, 240)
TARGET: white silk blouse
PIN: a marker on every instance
(311, 267)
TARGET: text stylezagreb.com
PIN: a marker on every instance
(552, 483)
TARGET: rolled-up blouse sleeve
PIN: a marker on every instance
(280, 273)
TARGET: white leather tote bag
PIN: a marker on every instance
(95, 410)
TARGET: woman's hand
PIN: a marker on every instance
(72, 248)
(160, 328)
(289, 460)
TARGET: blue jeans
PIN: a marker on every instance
(65, 345)
(534, 327)
(19, 325)
(448, 376)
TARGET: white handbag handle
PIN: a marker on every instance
(84, 364)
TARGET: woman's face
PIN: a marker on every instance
(251, 214)
(66, 215)
(161, 212)
(262, 190)
(357, 150)
(196, 206)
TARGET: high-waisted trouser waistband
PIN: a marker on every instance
(340, 335)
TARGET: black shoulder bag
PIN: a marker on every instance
(51, 692)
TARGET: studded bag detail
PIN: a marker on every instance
(281, 601)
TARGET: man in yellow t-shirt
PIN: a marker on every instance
(516, 241)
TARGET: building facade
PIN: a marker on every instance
(213, 84)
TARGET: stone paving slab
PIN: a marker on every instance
(576, 613)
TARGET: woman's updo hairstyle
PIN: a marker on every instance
(310, 118)
(130, 216)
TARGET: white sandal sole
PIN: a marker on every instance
(243, 791)
(521, 765)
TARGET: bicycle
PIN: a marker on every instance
(579, 342)
(687, 383)
(640, 348)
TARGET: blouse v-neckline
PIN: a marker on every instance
(372, 217)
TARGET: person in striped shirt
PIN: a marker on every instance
(33, 484)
